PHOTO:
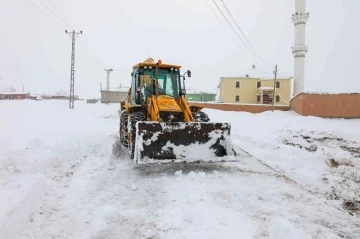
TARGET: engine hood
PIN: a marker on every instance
(167, 103)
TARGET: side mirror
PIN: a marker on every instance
(189, 73)
(132, 73)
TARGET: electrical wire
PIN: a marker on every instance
(55, 14)
(226, 8)
(60, 13)
(228, 22)
(226, 29)
(46, 15)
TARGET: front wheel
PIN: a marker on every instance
(133, 118)
(200, 116)
(123, 129)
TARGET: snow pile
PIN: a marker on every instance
(56, 168)
(283, 229)
(330, 93)
(302, 148)
(342, 158)
(42, 144)
(18, 198)
(192, 213)
(211, 202)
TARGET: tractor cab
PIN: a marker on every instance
(149, 78)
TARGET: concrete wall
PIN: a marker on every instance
(327, 105)
(240, 107)
(114, 96)
(248, 90)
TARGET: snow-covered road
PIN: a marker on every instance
(60, 179)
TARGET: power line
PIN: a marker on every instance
(62, 27)
(60, 12)
(226, 29)
(241, 30)
(228, 22)
(55, 13)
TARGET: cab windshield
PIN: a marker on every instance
(169, 83)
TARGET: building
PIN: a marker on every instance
(92, 101)
(14, 95)
(299, 49)
(259, 89)
(114, 95)
(60, 95)
(197, 95)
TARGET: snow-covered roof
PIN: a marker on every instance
(118, 89)
(13, 93)
(256, 75)
(329, 93)
(193, 90)
(61, 93)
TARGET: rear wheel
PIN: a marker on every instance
(200, 116)
(132, 119)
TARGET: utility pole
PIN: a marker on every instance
(73, 35)
(108, 71)
(274, 97)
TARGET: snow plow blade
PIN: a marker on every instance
(180, 142)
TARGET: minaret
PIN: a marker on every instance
(299, 49)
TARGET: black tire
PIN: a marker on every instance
(200, 116)
(133, 118)
(123, 129)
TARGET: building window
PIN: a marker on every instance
(258, 98)
(237, 98)
(277, 98)
(277, 84)
(237, 84)
(258, 85)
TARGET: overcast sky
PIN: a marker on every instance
(35, 52)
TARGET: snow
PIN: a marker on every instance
(18, 197)
(13, 93)
(330, 93)
(258, 75)
(191, 152)
(266, 88)
(118, 89)
(63, 175)
(193, 90)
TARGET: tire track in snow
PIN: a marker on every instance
(100, 202)
(286, 178)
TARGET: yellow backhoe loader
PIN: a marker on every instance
(158, 126)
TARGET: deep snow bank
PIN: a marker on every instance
(301, 148)
(44, 140)
(18, 199)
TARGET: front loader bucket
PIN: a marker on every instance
(179, 142)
